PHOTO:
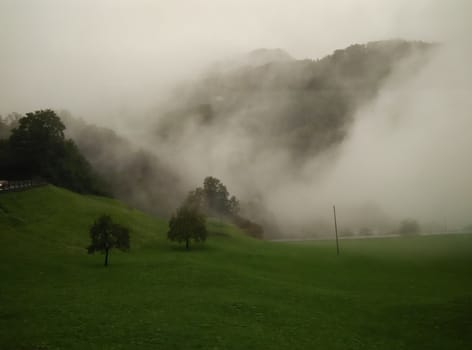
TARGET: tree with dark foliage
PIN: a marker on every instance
(409, 227)
(187, 224)
(37, 148)
(213, 199)
(106, 235)
(216, 195)
(38, 140)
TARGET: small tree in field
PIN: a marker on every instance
(187, 224)
(106, 235)
(409, 227)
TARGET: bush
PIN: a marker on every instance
(187, 224)
(251, 228)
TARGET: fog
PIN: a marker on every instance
(407, 155)
(111, 60)
(117, 64)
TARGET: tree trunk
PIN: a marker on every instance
(106, 257)
(186, 243)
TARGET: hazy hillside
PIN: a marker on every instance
(253, 122)
(133, 174)
(235, 120)
(300, 106)
(253, 58)
(268, 126)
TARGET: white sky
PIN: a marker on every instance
(109, 56)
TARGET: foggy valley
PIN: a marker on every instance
(236, 174)
(379, 128)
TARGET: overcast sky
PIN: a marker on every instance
(104, 56)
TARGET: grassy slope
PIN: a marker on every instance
(231, 293)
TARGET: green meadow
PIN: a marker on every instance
(232, 292)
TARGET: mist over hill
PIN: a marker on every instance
(289, 138)
(133, 174)
(257, 127)
(300, 106)
(253, 58)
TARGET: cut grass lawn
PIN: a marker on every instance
(232, 292)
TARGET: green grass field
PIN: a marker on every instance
(232, 292)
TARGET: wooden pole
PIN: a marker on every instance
(336, 230)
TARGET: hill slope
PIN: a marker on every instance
(302, 107)
(230, 293)
(240, 122)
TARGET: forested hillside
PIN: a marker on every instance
(301, 106)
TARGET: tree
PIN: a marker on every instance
(233, 206)
(37, 148)
(409, 226)
(216, 196)
(38, 140)
(214, 199)
(106, 235)
(197, 199)
(187, 224)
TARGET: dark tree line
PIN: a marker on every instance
(38, 149)
(213, 199)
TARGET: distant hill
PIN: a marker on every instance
(301, 106)
(133, 175)
(295, 107)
